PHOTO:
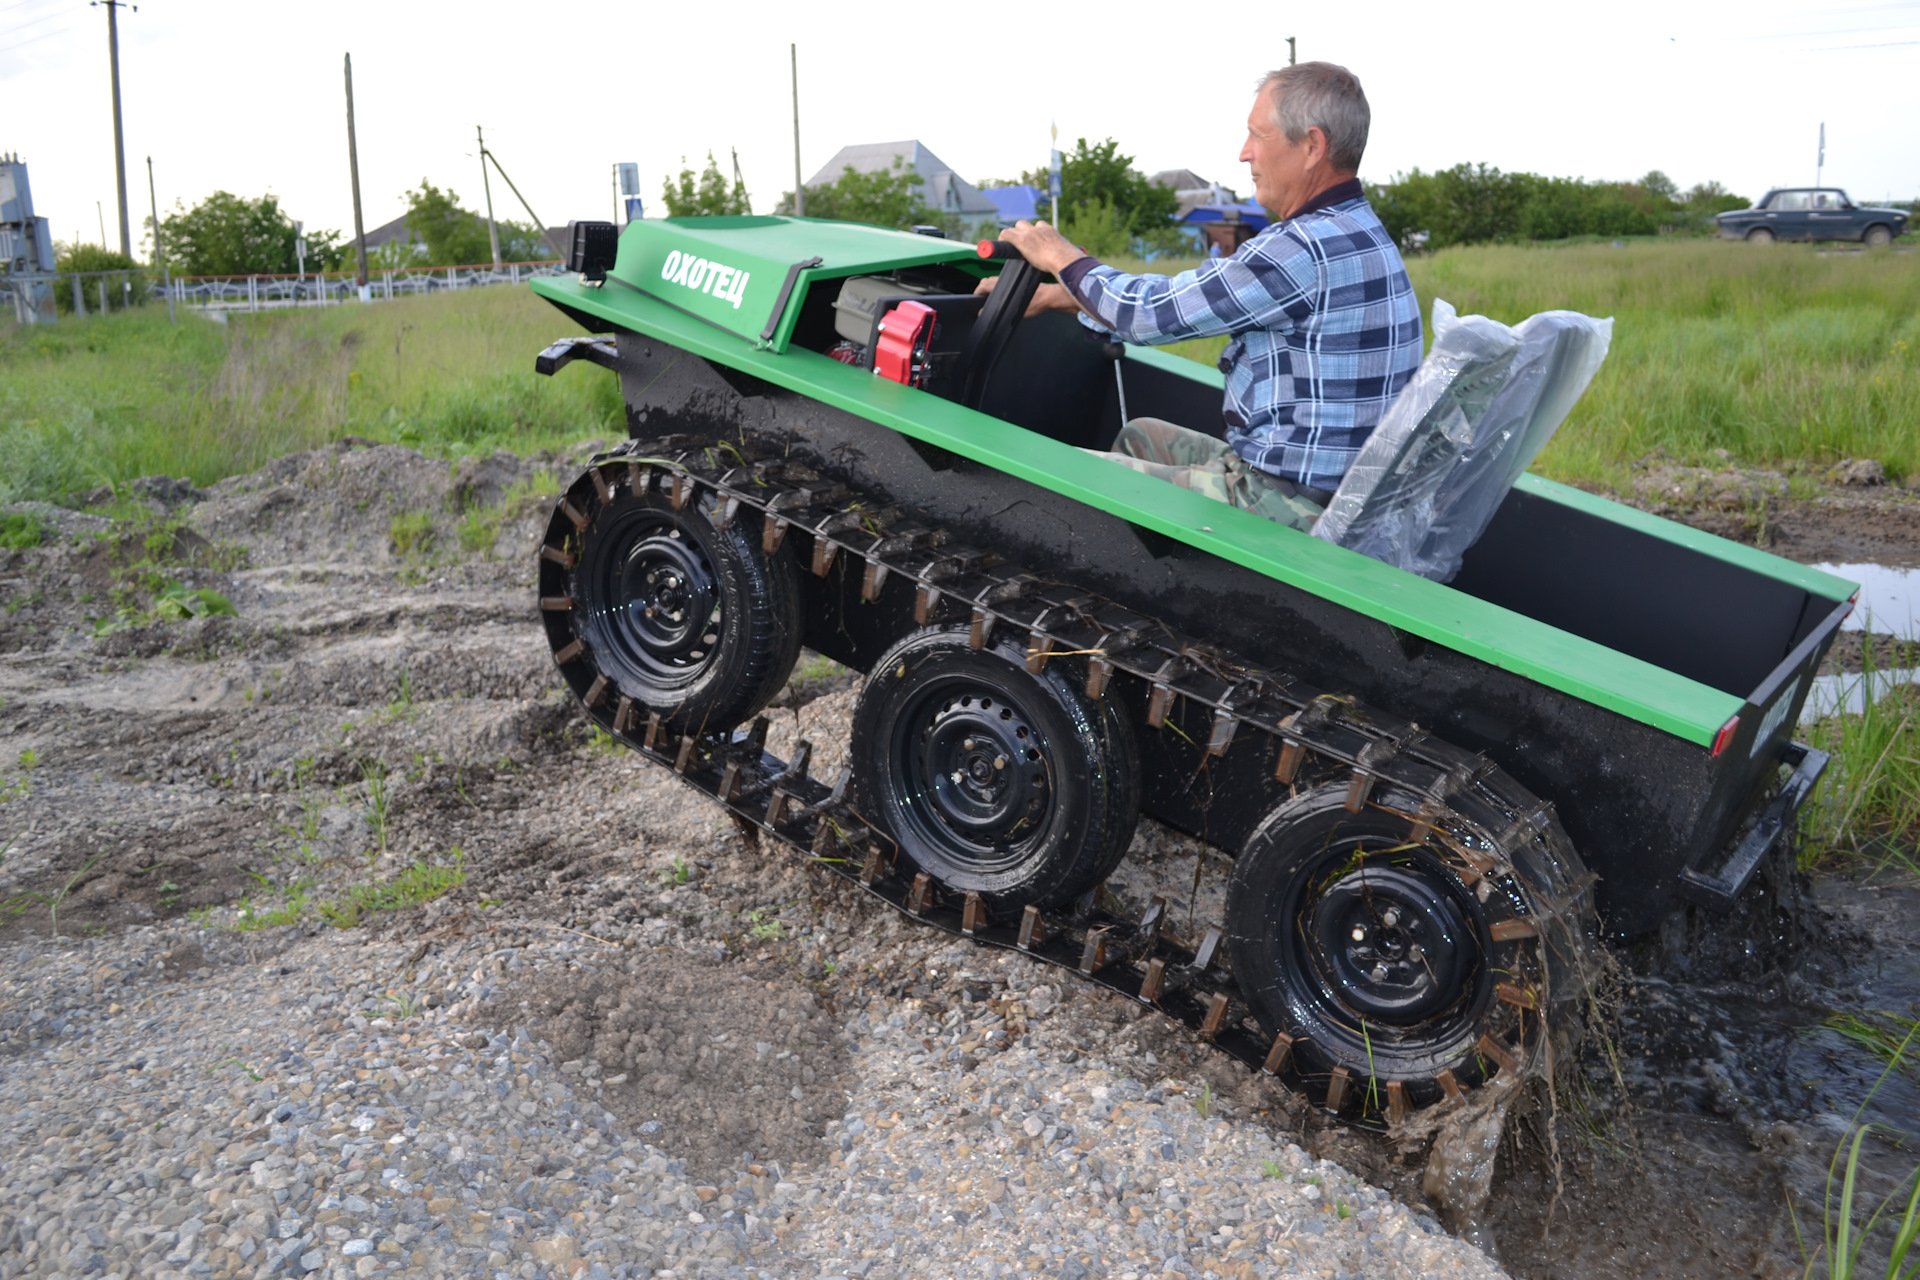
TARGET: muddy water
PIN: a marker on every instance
(1711, 1129)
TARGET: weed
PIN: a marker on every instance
(53, 901)
(677, 874)
(172, 602)
(480, 529)
(398, 1006)
(18, 532)
(1342, 1210)
(379, 804)
(541, 484)
(1869, 804)
(1841, 1240)
(1881, 1032)
(601, 742)
(401, 707)
(241, 1063)
(763, 926)
(1272, 1169)
(1204, 1103)
(415, 885)
(410, 534)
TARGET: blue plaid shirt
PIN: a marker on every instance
(1325, 331)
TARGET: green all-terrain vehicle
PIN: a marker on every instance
(1437, 797)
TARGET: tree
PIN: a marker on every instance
(227, 235)
(709, 194)
(1096, 173)
(454, 237)
(450, 235)
(884, 198)
(126, 287)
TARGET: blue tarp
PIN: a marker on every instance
(1246, 212)
(1015, 203)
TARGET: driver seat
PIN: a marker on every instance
(1481, 405)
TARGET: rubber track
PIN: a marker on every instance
(1141, 959)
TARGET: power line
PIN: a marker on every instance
(48, 16)
(36, 40)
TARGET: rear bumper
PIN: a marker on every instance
(1717, 885)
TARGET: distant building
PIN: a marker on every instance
(946, 192)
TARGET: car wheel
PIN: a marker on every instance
(657, 603)
(993, 779)
(1759, 235)
(1387, 958)
(1878, 237)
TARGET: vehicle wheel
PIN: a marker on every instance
(1376, 945)
(1878, 237)
(1759, 235)
(689, 620)
(992, 779)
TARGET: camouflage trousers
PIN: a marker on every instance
(1208, 465)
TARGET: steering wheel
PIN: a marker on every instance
(1004, 308)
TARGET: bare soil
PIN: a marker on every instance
(382, 696)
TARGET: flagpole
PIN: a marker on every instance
(1820, 159)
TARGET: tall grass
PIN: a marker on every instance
(1788, 357)
(101, 400)
(1784, 357)
(1867, 808)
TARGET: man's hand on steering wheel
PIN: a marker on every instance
(1048, 297)
(1042, 246)
(1045, 249)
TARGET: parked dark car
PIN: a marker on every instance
(1812, 213)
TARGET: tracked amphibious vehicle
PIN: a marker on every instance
(1437, 797)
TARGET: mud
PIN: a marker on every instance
(381, 697)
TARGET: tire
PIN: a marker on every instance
(1759, 235)
(689, 620)
(1372, 949)
(1878, 237)
(991, 779)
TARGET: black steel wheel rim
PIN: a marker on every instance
(652, 602)
(971, 776)
(1382, 952)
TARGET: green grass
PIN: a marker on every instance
(106, 399)
(1867, 807)
(1787, 358)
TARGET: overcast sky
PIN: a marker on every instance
(248, 96)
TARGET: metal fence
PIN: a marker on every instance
(22, 298)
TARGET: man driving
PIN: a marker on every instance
(1323, 325)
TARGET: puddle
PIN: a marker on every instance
(1850, 692)
(1889, 598)
(1738, 1093)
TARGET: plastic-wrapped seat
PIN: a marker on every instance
(1485, 400)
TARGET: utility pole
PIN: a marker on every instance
(353, 163)
(166, 272)
(799, 192)
(119, 144)
(493, 231)
(555, 245)
(1289, 50)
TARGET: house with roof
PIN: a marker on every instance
(945, 191)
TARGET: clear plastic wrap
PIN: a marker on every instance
(1477, 411)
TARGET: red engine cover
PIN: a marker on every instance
(900, 353)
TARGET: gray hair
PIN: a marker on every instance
(1329, 96)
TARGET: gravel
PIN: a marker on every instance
(628, 1044)
(185, 1102)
